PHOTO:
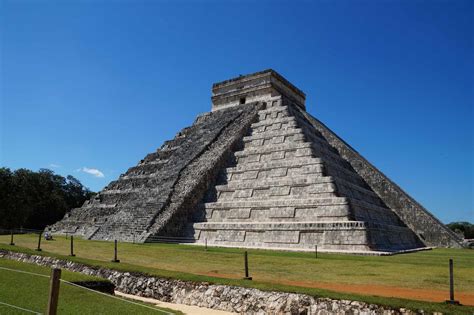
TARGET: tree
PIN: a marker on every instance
(466, 228)
(36, 199)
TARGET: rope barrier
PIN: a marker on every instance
(20, 308)
(27, 272)
(117, 298)
(93, 291)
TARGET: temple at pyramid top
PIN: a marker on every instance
(258, 171)
(260, 86)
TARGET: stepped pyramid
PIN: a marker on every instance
(258, 171)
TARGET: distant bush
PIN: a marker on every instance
(466, 228)
(34, 200)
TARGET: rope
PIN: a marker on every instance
(21, 271)
(20, 308)
(116, 297)
(81, 287)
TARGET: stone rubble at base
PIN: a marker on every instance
(220, 297)
(259, 172)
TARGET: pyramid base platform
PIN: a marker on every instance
(356, 237)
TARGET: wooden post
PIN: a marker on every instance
(451, 280)
(11, 238)
(451, 284)
(115, 253)
(246, 263)
(39, 241)
(53, 292)
(316, 251)
(205, 246)
(72, 246)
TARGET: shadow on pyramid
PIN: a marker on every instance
(259, 172)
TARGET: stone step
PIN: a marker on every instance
(282, 226)
(149, 181)
(370, 206)
(158, 162)
(268, 165)
(275, 182)
(309, 191)
(296, 138)
(305, 170)
(290, 213)
(300, 124)
(145, 168)
(292, 135)
(277, 203)
(299, 149)
(273, 156)
(138, 176)
(355, 186)
(137, 201)
(267, 122)
(274, 115)
(160, 154)
(276, 108)
(124, 225)
(355, 191)
(273, 148)
(120, 191)
(330, 157)
(104, 206)
(292, 131)
(272, 134)
(350, 236)
(319, 141)
(373, 213)
(346, 173)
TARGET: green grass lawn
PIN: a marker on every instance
(276, 270)
(31, 292)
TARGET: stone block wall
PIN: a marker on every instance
(428, 228)
(220, 297)
(262, 174)
(149, 195)
(277, 194)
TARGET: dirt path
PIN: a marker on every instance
(388, 291)
(379, 290)
(186, 309)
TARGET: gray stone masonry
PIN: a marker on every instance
(429, 229)
(220, 297)
(278, 194)
(258, 171)
(254, 87)
(161, 189)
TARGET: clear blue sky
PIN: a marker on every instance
(88, 88)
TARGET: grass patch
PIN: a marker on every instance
(30, 292)
(276, 270)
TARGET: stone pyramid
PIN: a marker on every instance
(258, 171)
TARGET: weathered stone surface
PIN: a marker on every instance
(220, 297)
(162, 189)
(430, 230)
(264, 174)
(280, 177)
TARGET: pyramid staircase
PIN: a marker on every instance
(127, 209)
(290, 189)
(258, 171)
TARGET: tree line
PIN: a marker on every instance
(34, 200)
(464, 229)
